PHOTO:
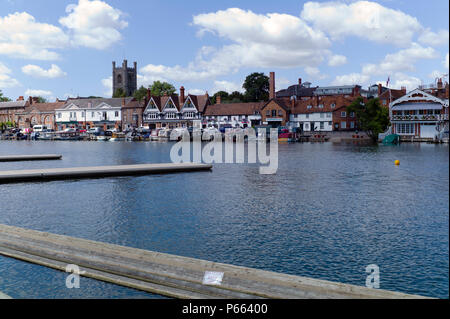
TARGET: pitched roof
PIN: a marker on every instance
(13, 104)
(47, 107)
(301, 107)
(395, 94)
(226, 109)
(296, 90)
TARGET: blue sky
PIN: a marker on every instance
(60, 48)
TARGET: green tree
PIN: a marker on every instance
(3, 98)
(159, 88)
(256, 87)
(371, 117)
(223, 97)
(140, 93)
(119, 93)
(41, 99)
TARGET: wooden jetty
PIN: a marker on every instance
(41, 157)
(48, 174)
(170, 275)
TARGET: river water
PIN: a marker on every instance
(330, 211)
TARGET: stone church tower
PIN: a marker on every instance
(125, 78)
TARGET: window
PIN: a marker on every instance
(352, 124)
(343, 114)
(171, 115)
(93, 114)
(116, 114)
(328, 114)
(322, 125)
(330, 123)
(343, 124)
(322, 115)
(309, 106)
(268, 113)
(333, 105)
(82, 114)
(151, 105)
(307, 116)
(280, 113)
(405, 128)
(384, 102)
(59, 115)
(152, 116)
(274, 113)
(352, 114)
(320, 106)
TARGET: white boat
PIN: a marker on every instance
(164, 134)
(117, 137)
(209, 133)
(103, 138)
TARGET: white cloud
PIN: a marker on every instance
(352, 78)
(264, 41)
(314, 73)
(36, 71)
(435, 39)
(22, 37)
(227, 86)
(196, 91)
(6, 81)
(31, 92)
(402, 60)
(403, 80)
(337, 60)
(93, 24)
(107, 83)
(364, 19)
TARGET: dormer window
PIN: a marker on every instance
(333, 105)
(309, 107)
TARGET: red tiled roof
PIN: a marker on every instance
(301, 106)
(47, 107)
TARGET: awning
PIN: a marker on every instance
(417, 106)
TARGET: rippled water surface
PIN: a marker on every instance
(330, 211)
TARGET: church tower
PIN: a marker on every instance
(125, 78)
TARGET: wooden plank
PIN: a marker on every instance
(98, 171)
(169, 275)
(39, 157)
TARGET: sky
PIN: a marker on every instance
(62, 48)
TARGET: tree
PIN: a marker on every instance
(236, 96)
(140, 93)
(119, 93)
(223, 97)
(3, 98)
(159, 88)
(41, 99)
(371, 117)
(256, 87)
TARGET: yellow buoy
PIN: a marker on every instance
(397, 162)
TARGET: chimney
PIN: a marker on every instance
(123, 101)
(135, 65)
(149, 94)
(380, 89)
(182, 94)
(446, 90)
(272, 85)
(439, 84)
(20, 98)
(403, 89)
(300, 81)
(125, 64)
(30, 100)
(114, 65)
(218, 99)
(35, 99)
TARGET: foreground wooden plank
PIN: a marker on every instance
(98, 171)
(169, 275)
(41, 157)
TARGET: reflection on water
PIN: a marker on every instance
(330, 211)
